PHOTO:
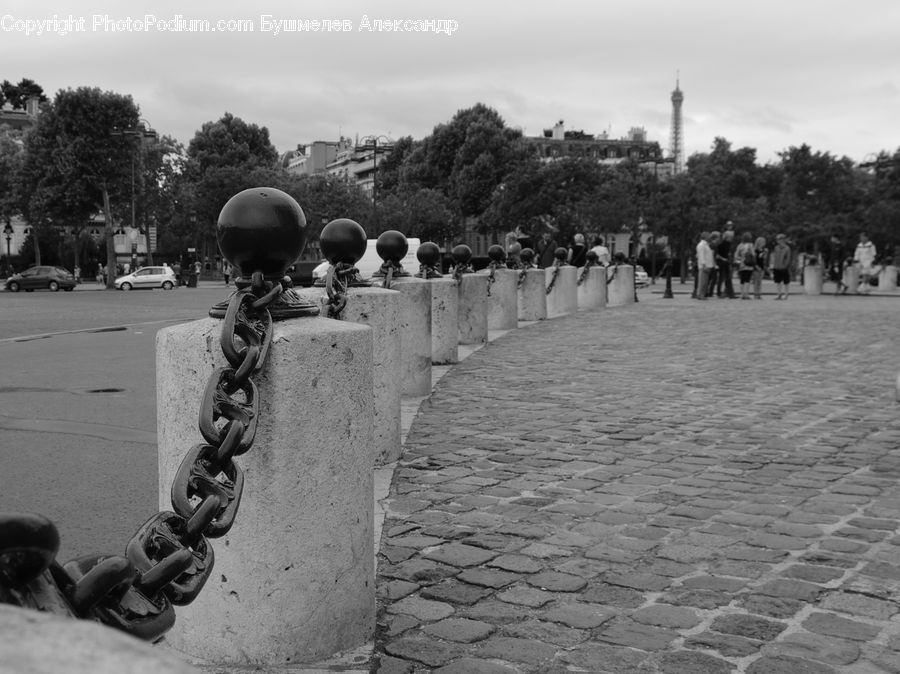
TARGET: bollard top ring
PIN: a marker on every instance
(261, 229)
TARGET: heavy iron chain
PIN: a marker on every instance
(584, 272)
(523, 272)
(169, 559)
(556, 266)
(337, 279)
(609, 279)
(388, 268)
(458, 272)
(492, 277)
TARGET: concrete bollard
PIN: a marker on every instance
(503, 310)
(532, 296)
(887, 278)
(350, 298)
(591, 291)
(812, 279)
(473, 306)
(293, 580)
(42, 643)
(444, 306)
(415, 314)
(620, 288)
(851, 278)
(562, 293)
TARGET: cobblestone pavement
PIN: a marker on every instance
(672, 486)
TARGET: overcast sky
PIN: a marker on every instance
(765, 74)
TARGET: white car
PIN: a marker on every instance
(370, 262)
(148, 277)
(641, 278)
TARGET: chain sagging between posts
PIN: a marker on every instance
(169, 559)
(591, 260)
(498, 261)
(559, 260)
(526, 260)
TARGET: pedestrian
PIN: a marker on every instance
(715, 238)
(226, 272)
(601, 250)
(781, 266)
(577, 251)
(545, 252)
(836, 256)
(745, 259)
(762, 263)
(864, 256)
(706, 262)
(724, 287)
(524, 238)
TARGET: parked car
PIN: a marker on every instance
(641, 278)
(40, 277)
(148, 277)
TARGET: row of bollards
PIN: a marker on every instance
(292, 580)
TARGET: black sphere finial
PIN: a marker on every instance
(461, 254)
(428, 254)
(392, 246)
(343, 241)
(496, 253)
(261, 229)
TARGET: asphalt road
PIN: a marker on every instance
(78, 407)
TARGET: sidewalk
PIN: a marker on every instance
(672, 486)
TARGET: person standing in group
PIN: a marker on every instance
(723, 263)
(835, 261)
(781, 266)
(714, 239)
(762, 263)
(864, 256)
(745, 259)
(545, 252)
(523, 238)
(602, 251)
(706, 262)
(577, 251)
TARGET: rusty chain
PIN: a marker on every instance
(337, 280)
(609, 279)
(388, 268)
(169, 559)
(556, 267)
(584, 272)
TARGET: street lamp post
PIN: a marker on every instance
(371, 143)
(8, 232)
(142, 131)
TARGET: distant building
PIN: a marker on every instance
(313, 158)
(557, 143)
(355, 161)
(676, 135)
(20, 119)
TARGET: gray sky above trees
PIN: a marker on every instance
(766, 74)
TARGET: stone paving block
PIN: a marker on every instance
(454, 592)
(427, 651)
(388, 665)
(715, 583)
(488, 578)
(556, 582)
(475, 666)
(494, 611)
(516, 563)
(727, 645)
(604, 659)
(665, 615)
(806, 645)
(455, 554)
(860, 605)
(525, 596)
(612, 595)
(418, 571)
(460, 630)
(396, 555)
(836, 626)
(748, 626)
(776, 607)
(423, 609)
(638, 581)
(546, 632)
(514, 649)
(843, 545)
(625, 632)
(400, 623)
(396, 589)
(785, 664)
(693, 662)
(578, 615)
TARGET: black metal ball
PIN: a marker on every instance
(461, 254)
(428, 254)
(391, 246)
(261, 229)
(592, 255)
(496, 253)
(527, 255)
(343, 240)
(561, 253)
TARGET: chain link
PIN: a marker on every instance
(337, 280)
(584, 272)
(169, 559)
(609, 279)
(556, 266)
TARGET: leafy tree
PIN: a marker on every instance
(75, 167)
(17, 95)
(12, 156)
(422, 213)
